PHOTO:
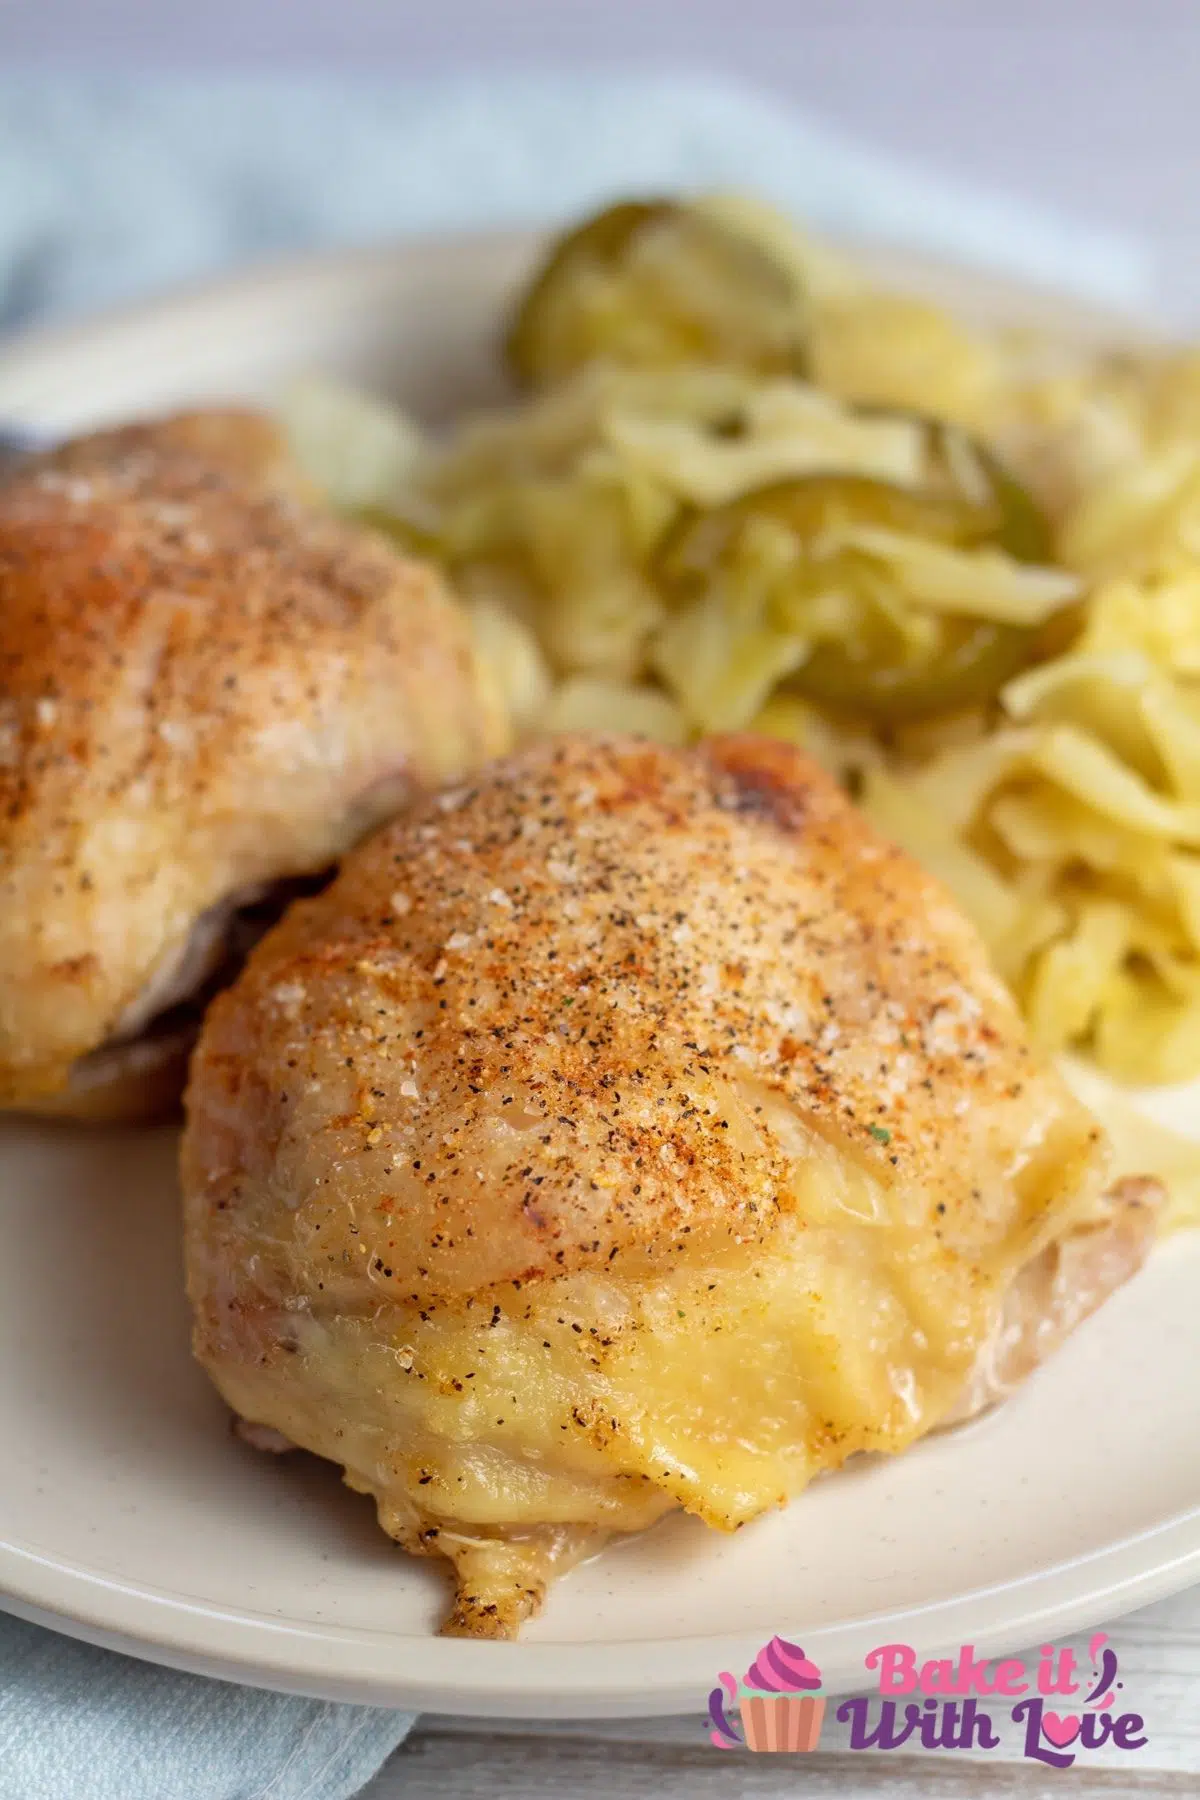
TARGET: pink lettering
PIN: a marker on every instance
(972, 1673)
(1066, 1670)
(1048, 1682)
(899, 1674)
(897, 1665)
(1010, 1678)
(938, 1678)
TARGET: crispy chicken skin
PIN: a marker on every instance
(206, 684)
(631, 1129)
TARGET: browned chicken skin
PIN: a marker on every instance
(630, 1129)
(206, 685)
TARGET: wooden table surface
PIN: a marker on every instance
(671, 1759)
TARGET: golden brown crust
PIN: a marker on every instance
(243, 444)
(205, 683)
(605, 939)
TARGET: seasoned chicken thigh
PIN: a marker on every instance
(630, 1129)
(207, 687)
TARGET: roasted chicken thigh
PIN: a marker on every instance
(208, 686)
(628, 1129)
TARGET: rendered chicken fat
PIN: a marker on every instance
(207, 685)
(630, 1129)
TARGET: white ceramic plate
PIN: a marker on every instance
(128, 1514)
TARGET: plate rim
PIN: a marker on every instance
(528, 1679)
(581, 1681)
(993, 290)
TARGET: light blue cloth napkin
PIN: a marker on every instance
(84, 1724)
(108, 188)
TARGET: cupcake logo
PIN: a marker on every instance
(779, 1702)
(955, 1703)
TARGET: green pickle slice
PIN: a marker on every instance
(654, 284)
(958, 464)
(872, 656)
